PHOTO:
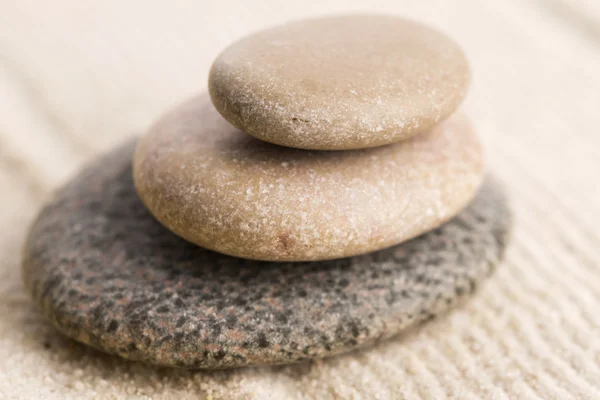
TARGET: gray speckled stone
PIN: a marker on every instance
(107, 274)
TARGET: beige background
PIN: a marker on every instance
(77, 77)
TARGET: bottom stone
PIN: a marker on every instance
(107, 274)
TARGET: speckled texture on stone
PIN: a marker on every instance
(338, 83)
(106, 273)
(226, 191)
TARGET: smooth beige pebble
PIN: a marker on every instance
(338, 83)
(229, 192)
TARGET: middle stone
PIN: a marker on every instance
(223, 190)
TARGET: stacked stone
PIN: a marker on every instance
(322, 196)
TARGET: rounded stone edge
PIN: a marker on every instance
(277, 130)
(503, 235)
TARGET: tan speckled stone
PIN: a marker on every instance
(337, 83)
(226, 191)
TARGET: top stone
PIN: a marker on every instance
(338, 83)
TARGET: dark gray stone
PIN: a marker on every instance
(109, 275)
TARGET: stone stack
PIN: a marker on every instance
(321, 196)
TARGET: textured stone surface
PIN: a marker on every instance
(226, 191)
(108, 274)
(343, 82)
